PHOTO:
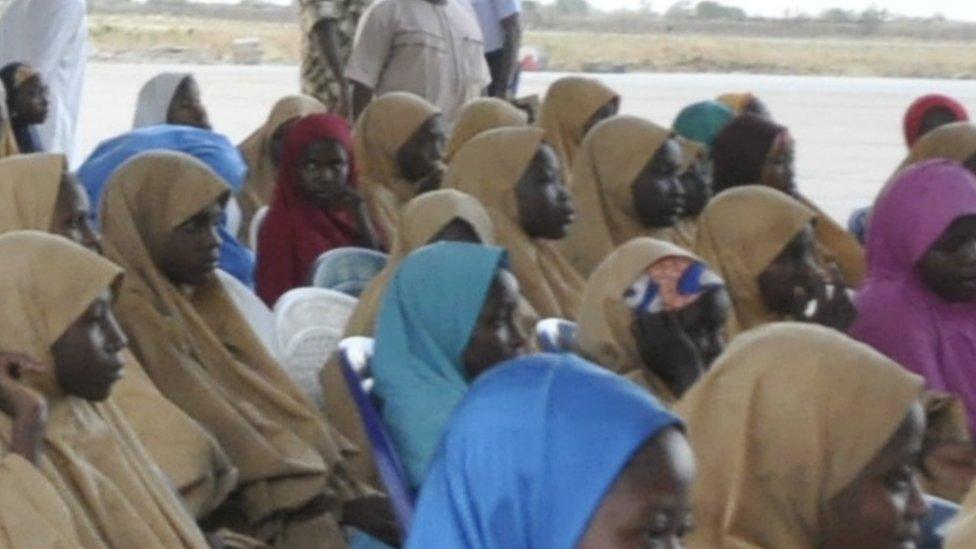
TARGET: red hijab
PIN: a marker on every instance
(297, 231)
(921, 107)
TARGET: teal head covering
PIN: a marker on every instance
(427, 317)
(701, 122)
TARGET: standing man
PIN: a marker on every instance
(52, 37)
(328, 29)
(501, 25)
(432, 48)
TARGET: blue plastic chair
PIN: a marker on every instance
(555, 335)
(355, 356)
(347, 270)
(936, 524)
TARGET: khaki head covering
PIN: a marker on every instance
(740, 233)
(569, 104)
(790, 414)
(115, 493)
(32, 514)
(29, 187)
(8, 142)
(956, 141)
(738, 102)
(202, 355)
(382, 130)
(421, 219)
(489, 168)
(611, 157)
(189, 456)
(256, 149)
(605, 319)
(479, 116)
(962, 534)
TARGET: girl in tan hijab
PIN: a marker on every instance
(57, 307)
(654, 312)
(625, 185)
(399, 144)
(517, 177)
(37, 194)
(479, 116)
(572, 107)
(158, 219)
(262, 152)
(761, 242)
(811, 442)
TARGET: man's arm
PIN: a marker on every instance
(370, 49)
(326, 36)
(362, 95)
(512, 29)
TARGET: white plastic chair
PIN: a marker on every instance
(348, 270)
(255, 228)
(255, 312)
(309, 323)
(234, 216)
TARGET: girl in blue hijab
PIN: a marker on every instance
(213, 149)
(447, 316)
(552, 452)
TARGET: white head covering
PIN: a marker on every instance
(156, 97)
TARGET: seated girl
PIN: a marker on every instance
(448, 315)
(761, 242)
(399, 141)
(27, 104)
(57, 299)
(655, 313)
(160, 217)
(262, 152)
(479, 116)
(625, 185)
(753, 150)
(171, 98)
(37, 193)
(808, 439)
(316, 207)
(516, 176)
(573, 106)
(553, 452)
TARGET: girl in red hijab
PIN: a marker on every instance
(316, 206)
(929, 112)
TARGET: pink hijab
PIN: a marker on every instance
(897, 314)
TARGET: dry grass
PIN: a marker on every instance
(208, 40)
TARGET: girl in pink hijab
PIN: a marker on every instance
(918, 305)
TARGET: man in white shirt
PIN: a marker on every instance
(501, 25)
(50, 36)
(432, 48)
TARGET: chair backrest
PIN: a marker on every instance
(348, 270)
(302, 308)
(255, 228)
(355, 357)
(555, 335)
(304, 356)
(254, 311)
(936, 524)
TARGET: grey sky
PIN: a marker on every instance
(954, 9)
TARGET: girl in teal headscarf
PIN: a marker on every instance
(701, 122)
(447, 316)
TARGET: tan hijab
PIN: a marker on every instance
(569, 104)
(740, 233)
(116, 495)
(8, 143)
(202, 355)
(790, 415)
(29, 187)
(422, 218)
(489, 168)
(479, 116)
(32, 514)
(383, 129)
(611, 157)
(190, 457)
(962, 534)
(256, 149)
(956, 141)
(605, 321)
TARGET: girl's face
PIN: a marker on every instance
(30, 103)
(186, 108)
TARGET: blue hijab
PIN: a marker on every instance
(213, 149)
(426, 318)
(703, 121)
(530, 454)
